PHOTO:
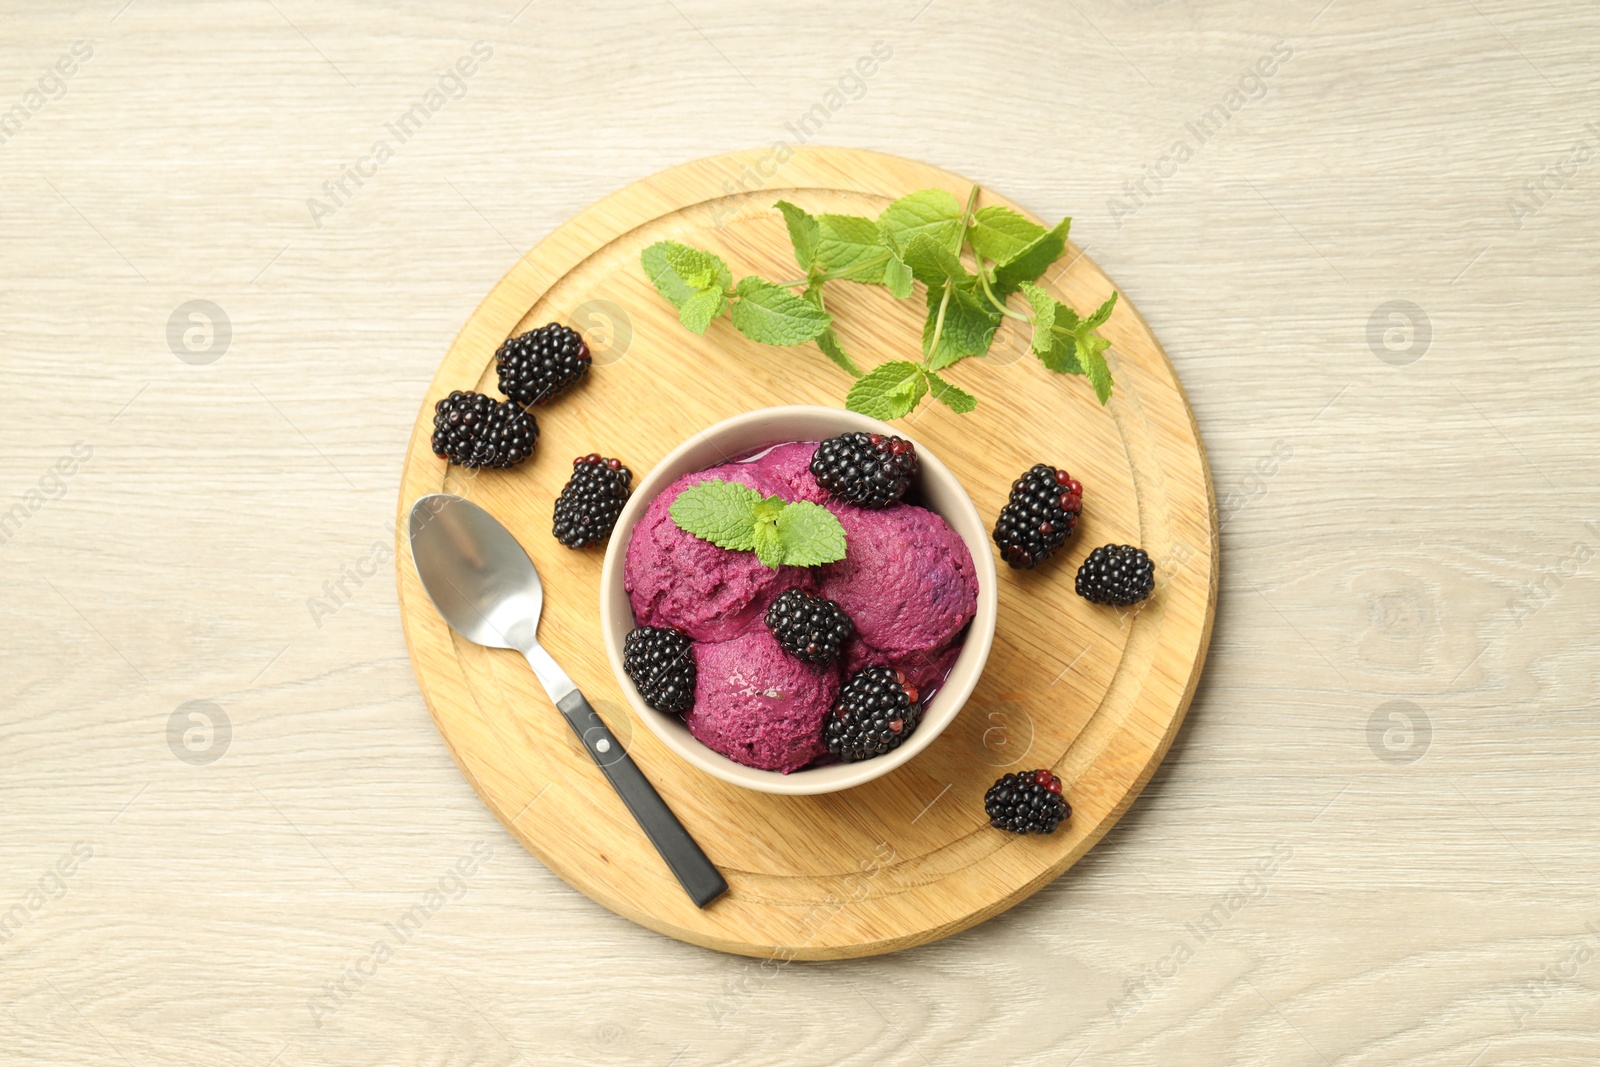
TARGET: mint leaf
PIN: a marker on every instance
(697, 312)
(699, 270)
(889, 392)
(851, 245)
(1055, 327)
(810, 534)
(719, 512)
(1101, 313)
(772, 315)
(932, 263)
(1068, 345)
(802, 233)
(897, 276)
(1044, 318)
(969, 325)
(767, 509)
(666, 280)
(931, 211)
(1033, 260)
(768, 545)
(1063, 354)
(1090, 349)
(827, 340)
(955, 399)
(1000, 234)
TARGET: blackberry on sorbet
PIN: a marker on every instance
(809, 628)
(868, 469)
(876, 711)
(1042, 510)
(533, 367)
(589, 505)
(474, 430)
(660, 661)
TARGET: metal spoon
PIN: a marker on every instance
(488, 590)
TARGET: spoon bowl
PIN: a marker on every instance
(478, 575)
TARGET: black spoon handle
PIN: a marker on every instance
(700, 879)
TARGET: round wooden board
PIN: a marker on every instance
(1092, 692)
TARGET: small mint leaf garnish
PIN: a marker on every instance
(811, 535)
(779, 532)
(767, 509)
(768, 545)
(720, 512)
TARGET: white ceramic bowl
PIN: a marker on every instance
(935, 488)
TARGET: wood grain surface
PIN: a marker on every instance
(1096, 694)
(1407, 515)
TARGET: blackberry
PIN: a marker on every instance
(877, 709)
(474, 430)
(1043, 509)
(808, 627)
(588, 507)
(535, 366)
(1116, 574)
(868, 469)
(660, 661)
(1027, 803)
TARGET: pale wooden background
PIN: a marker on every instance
(1390, 558)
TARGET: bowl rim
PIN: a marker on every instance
(947, 702)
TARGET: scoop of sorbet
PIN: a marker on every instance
(759, 706)
(907, 580)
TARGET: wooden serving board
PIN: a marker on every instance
(1092, 692)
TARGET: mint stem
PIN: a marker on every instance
(1000, 305)
(829, 276)
(966, 216)
(938, 324)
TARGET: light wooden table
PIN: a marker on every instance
(1374, 842)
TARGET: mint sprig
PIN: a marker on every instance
(1068, 344)
(970, 262)
(733, 516)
